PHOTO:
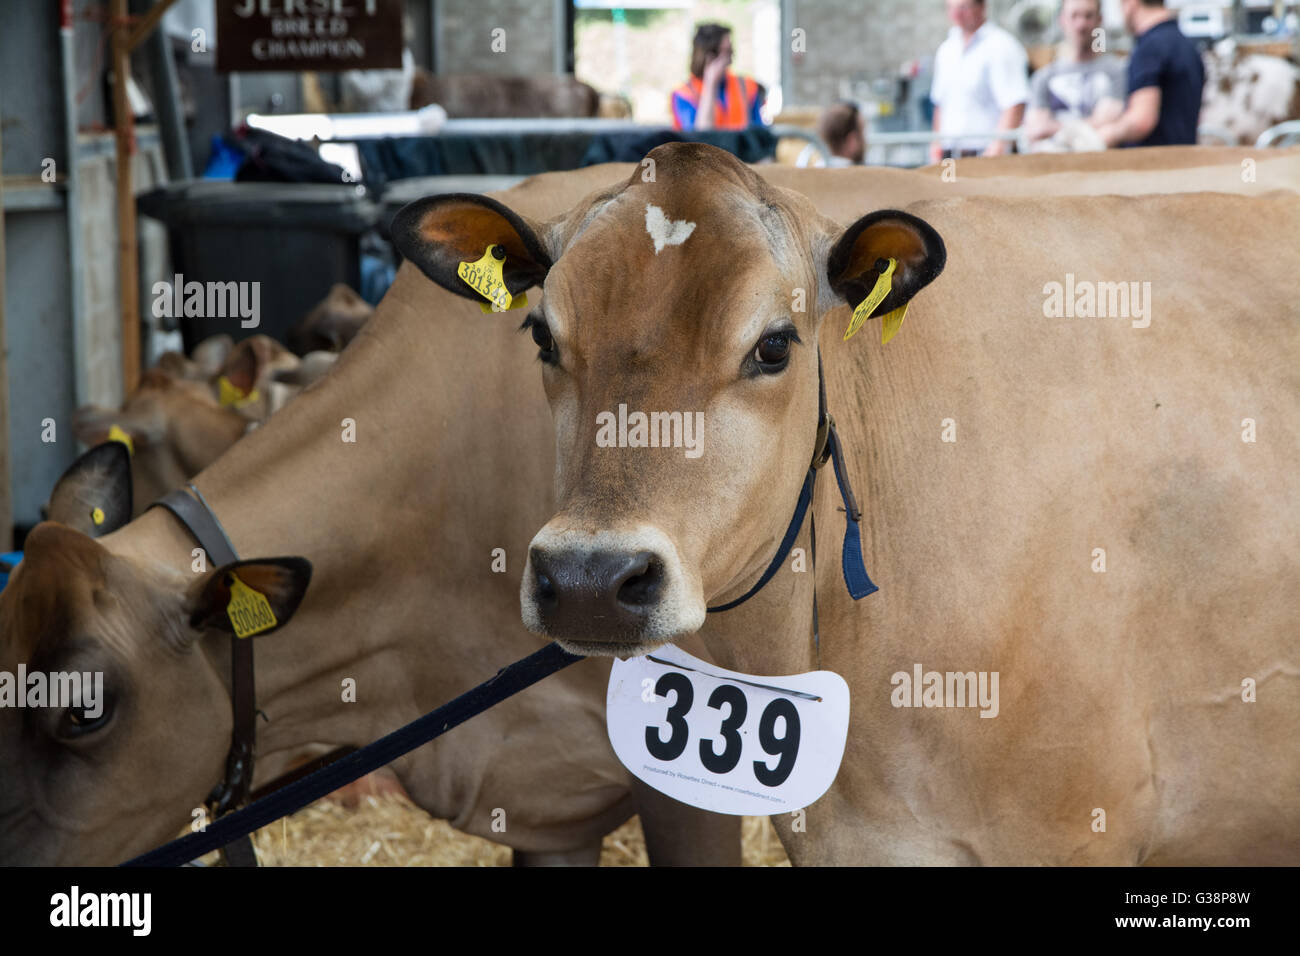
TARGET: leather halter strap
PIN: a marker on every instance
(207, 531)
(235, 789)
(827, 448)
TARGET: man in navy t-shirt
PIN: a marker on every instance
(1165, 79)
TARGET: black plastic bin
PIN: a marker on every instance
(294, 239)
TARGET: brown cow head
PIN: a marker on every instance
(186, 413)
(694, 299)
(97, 783)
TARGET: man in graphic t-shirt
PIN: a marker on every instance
(1080, 84)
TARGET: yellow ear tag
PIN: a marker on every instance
(97, 516)
(249, 611)
(891, 322)
(484, 277)
(520, 302)
(116, 434)
(865, 307)
(232, 396)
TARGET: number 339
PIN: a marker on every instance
(786, 747)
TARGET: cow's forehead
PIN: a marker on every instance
(58, 577)
(69, 587)
(698, 248)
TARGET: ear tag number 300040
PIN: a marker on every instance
(484, 277)
(725, 741)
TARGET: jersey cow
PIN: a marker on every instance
(186, 412)
(379, 477)
(1090, 501)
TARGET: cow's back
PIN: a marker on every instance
(845, 194)
(1110, 160)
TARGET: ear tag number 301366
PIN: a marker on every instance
(725, 741)
(891, 321)
(484, 276)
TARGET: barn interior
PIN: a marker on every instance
(183, 176)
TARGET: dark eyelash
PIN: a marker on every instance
(787, 330)
(528, 322)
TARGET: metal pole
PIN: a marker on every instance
(171, 121)
(128, 268)
(72, 209)
(558, 11)
(787, 56)
(6, 499)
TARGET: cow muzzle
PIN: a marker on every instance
(608, 593)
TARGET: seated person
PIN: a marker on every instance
(1079, 85)
(842, 130)
(714, 97)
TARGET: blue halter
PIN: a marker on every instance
(828, 448)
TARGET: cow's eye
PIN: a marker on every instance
(77, 721)
(773, 352)
(542, 336)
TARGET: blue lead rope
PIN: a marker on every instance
(294, 796)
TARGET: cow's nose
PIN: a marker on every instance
(596, 595)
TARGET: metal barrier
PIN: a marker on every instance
(786, 131)
(1224, 136)
(343, 127)
(1283, 134)
(880, 144)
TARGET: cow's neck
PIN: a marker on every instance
(772, 632)
(367, 515)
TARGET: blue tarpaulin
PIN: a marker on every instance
(9, 559)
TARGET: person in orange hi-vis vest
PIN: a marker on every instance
(714, 97)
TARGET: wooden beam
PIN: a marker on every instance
(147, 23)
(128, 269)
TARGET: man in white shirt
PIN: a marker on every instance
(980, 84)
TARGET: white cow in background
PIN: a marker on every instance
(1246, 93)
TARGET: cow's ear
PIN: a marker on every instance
(210, 354)
(247, 598)
(862, 253)
(94, 424)
(438, 233)
(311, 369)
(178, 366)
(94, 495)
(254, 361)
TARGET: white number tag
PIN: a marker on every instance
(725, 741)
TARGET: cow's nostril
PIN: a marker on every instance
(642, 586)
(545, 589)
(601, 595)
